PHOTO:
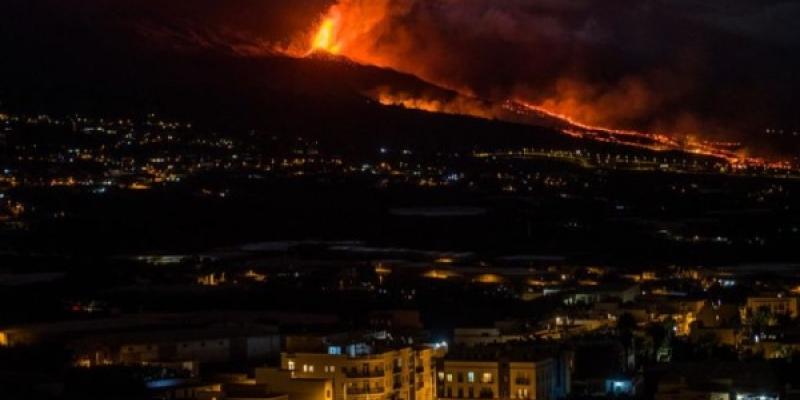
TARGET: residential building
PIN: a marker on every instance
(774, 304)
(623, 293)
(210, 345)
(368, 371)
(491, 373)
(395, 320)
(482, 336)
(275, 380)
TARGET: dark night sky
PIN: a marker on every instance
(723, 67)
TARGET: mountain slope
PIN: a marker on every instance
(108, 70)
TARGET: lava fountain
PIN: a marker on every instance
(326, 37)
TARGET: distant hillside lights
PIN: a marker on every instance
(782, 132)
(212, 279)
(440, 274)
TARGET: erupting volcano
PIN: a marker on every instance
(372, 33)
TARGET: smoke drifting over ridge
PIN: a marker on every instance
(711, 68)
(715, 68)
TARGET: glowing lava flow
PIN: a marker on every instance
(655, 137)
(652, 141)
(567, 125)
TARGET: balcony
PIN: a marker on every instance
(357, 391)
(375, 373)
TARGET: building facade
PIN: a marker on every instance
(774, 305)
(358, 372)
(496, 379)
(281, 381)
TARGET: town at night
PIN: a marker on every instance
(399, 200)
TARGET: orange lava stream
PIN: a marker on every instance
(662, 141)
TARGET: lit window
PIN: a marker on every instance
(486, 378)
(470, 377)
(290, 365)
(308, 368)
(449, 377)
(441, 375)
(333, 368)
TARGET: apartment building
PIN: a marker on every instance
(361, 371)
(773, 304)
(519, 376)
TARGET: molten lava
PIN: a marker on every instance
(529, 113)
(348, 28)
(458, 105)
(325, 38)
